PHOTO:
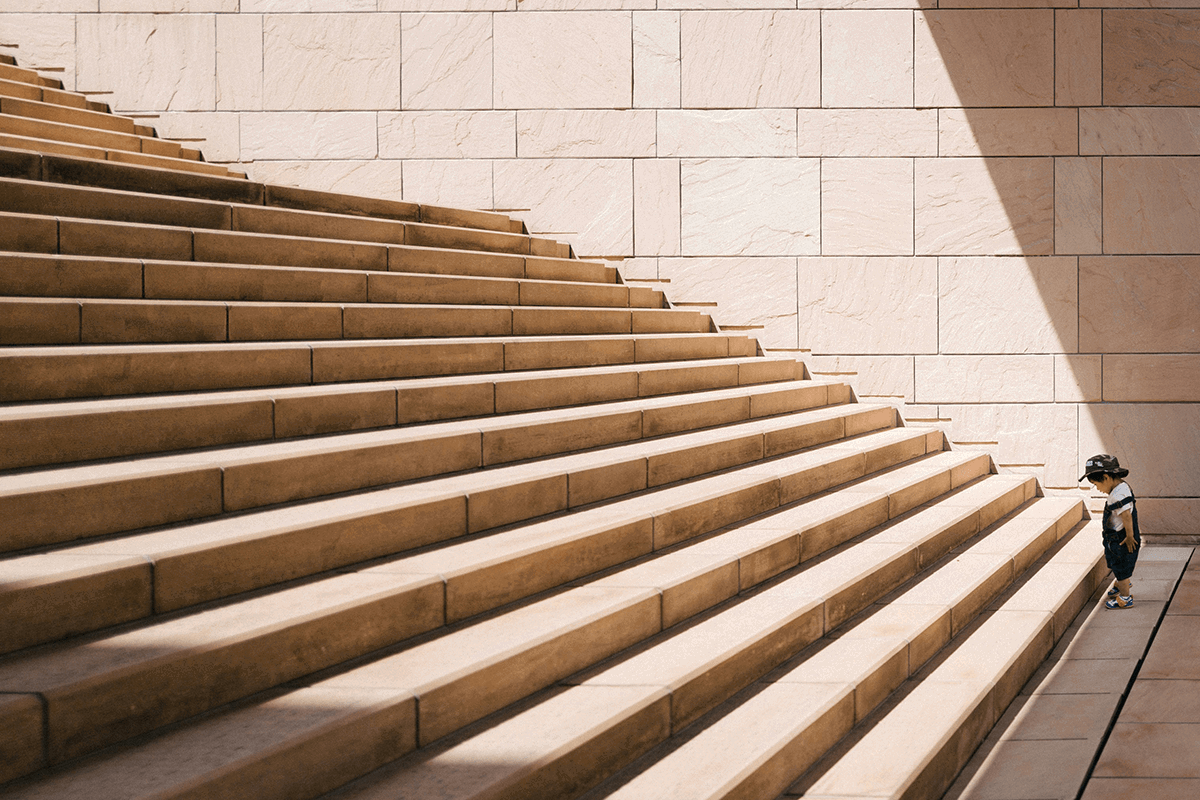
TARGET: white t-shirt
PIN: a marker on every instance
(1120, 499)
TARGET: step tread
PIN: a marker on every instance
(55, 112)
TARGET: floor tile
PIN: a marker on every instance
(1176, 651)
(1046, 770)
(1169, 701)
(1138, 788)
(1151, 751)
(1064, 716)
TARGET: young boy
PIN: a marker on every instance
(1121, 535)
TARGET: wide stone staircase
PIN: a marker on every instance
(304, 493)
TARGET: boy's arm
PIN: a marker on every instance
(1127, 518)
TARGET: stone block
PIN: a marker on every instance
(749, 291)
(729, 132)
(1007, 305)
(239, 62)
(656, 207)
(363, 178)
(46, 42)
(1132, 304)
(588, 202)
(1077, 65)
(1025, 435)
(447, 61)
(43, 6)
(217, 135)
(867, 132)
(1008, 132)
(985, 379)
(447, 134)
(984, 58)
(1151, 57)
(656, 59)
(750, 59)
(1168, 515)
(331, 61)
(750, 206)
(887, 377)
(868, 305)
(308, 135)
(1077, 379)
(1078, 212)
(1139, 131)
(447, 5)
(160, 62)
(306, 6)
(455, 183)
(867, 206)
(1152, 378)
(867, 59)
(984, 206)
(575, 59)
(1148, 205)
(585, 134)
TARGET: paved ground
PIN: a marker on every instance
(1060, 730)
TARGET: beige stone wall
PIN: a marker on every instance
(988, 214)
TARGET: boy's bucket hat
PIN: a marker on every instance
(1105, 464)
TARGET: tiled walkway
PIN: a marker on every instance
(1046, 744)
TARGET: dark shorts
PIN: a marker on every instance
(1119, 559)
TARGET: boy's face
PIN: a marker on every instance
(1101, 482)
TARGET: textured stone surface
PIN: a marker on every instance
(1077, 57)
(985, 379)
(749, 291)
(586, 202)
(729, 132)
(331, 61)
(1152, 378)
(867, 132)
(1146, 304)
(1139, 131)
(1078, 207)
(656, 59)
(985, 206)
(446, 5)
(454, 183)
(45, 41)
(311, 135)
(871, 376)
(749, 59)
(240, 62)
(578, 59)
(1007, 305)
(1039, 436)
(217, 135)
(1077, 379)
(656, 207)
(149, 61)
(1007, 132)
(1152, 57)
(306, 6)
(1150, 205)
(867, 206)
(867, 59)
(750, 206)
(447, 61)
(367, 178)
(585, 134)
(868, 305)
(1168, 468)
(447, 134)
(984, 58)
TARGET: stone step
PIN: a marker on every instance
(38, 275)
(460, 677)
(59, 505)
(919, 746)
(11, 72)
(130, 676)
(45, 94)
(44, 321)
(59, 433)
(83, 151)
(84, 371)
(463, 250)
(569, 741)
(36, 108)
(94, 137)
